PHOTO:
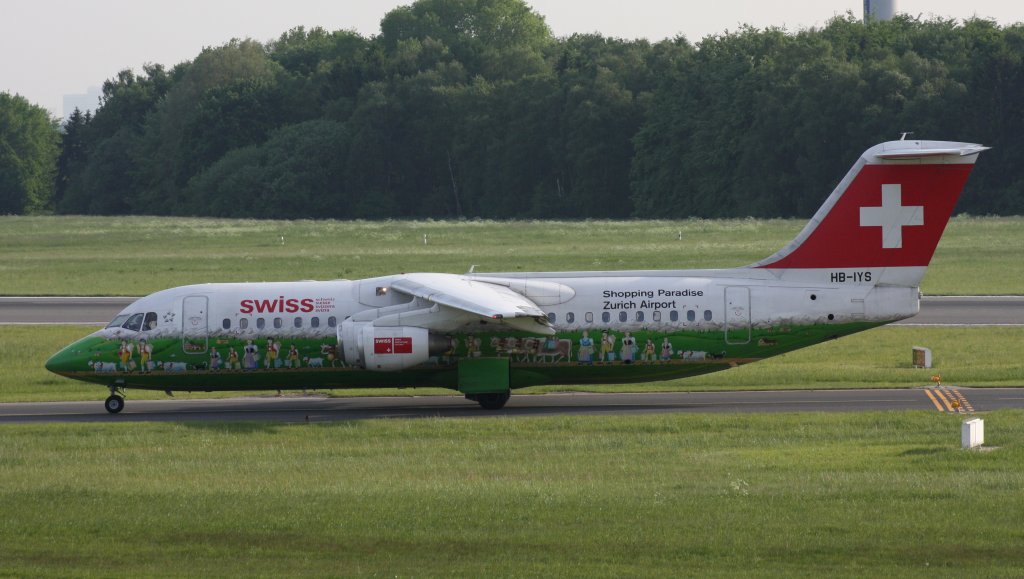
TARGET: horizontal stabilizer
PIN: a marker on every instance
(919, 153)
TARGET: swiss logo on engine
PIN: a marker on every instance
(383, 346)
(402, 345)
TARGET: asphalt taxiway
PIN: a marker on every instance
(317, 408)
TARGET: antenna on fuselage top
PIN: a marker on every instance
(472, 268)
(905, 134)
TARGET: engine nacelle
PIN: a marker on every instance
(387, 349)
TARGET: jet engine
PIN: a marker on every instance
(386, 349)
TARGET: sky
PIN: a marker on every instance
(53, 48)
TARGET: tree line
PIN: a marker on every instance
(471, 108)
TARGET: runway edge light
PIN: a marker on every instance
(972, 434)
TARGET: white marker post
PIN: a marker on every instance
(972, 434)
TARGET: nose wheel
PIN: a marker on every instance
(115, 402)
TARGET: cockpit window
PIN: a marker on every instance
(134, 322)
(116, 322)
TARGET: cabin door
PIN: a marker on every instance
(737, 315)
(194, 331)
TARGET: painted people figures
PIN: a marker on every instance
(607, 347)
(628, 349)
(586, 349)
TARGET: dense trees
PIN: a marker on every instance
(769, 121)
(463, 108)
(100, 155)
(28, 155)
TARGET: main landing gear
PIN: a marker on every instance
(115, 402)
(490, 401)
(486, 381)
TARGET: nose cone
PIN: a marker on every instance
(62, 362)
(75, 358)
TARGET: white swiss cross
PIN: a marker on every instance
(892, 216)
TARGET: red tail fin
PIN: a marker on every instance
(888, 212)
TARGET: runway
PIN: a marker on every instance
(93, 311)
(968, 311)
(301, 409)
(935, 310)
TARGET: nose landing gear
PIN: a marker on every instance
(115, 402)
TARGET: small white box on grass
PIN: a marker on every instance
(972, 433)
(922, 357)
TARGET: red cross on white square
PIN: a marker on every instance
(892, 216)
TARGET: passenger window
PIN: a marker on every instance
(623, 316)
(707, 315)
(134, 322)
(606, 317)
(590, 317)
(570, 317)
(227, 324)
(673, 315)
(150, 323)
(298, 322)
(691, 315)
(657, 315)
(278, 323)
(332, 321)
(243, 323)
(639, 316)
(315, 322)
(260, 323)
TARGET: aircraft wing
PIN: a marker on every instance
(490, 301)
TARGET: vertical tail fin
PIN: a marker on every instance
(883, 221)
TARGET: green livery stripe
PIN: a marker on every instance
(250, 363)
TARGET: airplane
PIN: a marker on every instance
(856, 265)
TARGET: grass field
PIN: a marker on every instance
(866, 494)
(47, 255)
(859, 495)
(878, 358)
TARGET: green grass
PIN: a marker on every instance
(879, 358)
(51, 255)
(859, 495)
(866, 494)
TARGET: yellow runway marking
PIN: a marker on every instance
(952, 400)
(963, 400)
(944, 400)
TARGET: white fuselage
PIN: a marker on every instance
(623, 300)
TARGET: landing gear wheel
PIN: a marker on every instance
(114, 404)
(495, 401)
